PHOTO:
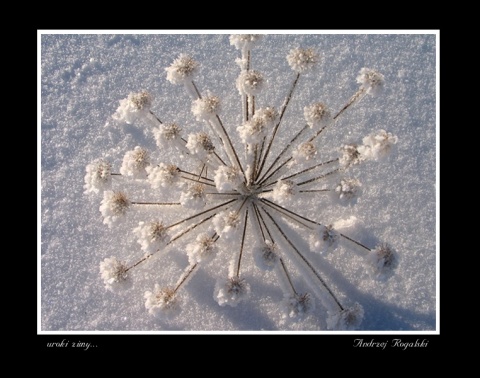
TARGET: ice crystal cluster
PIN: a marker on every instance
(239, 194)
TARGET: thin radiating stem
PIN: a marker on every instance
(259, 216)
(242, 243)
(356, 242)
(202, 212)
(196, 90)
(319, 177)
(156, 203)
(184, 232)
(195, 180)
(193, 174)
(301, 172)
(190, 269)
(284, 150)
(277, 208)
(307, 263)
(284, 107)
(287, 275)
(158, 119)
(352, 100)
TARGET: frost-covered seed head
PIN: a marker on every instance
(350, 155)
(135, 162)
(300, 304)
(162, 301)
(324, 238)
(266, 255)
(382, 259)
(206, 107)
(317, 115)
(166, 134)
(227, 178)
(236, 286)
(232, 219)
(302, 60)
(241, 41)
(171, 131)
(370, 80)
(197, 190)
(304, 152)
(200, 144)
(206, 142)
(141, 100)
(378, 145)
(182, 69)
(348, 189)
(250, 82)
(347, 319)
(203, 248)
(119, 203)
(163, 175)
(157, 230)
(284, 190)
(194, 197)
(268, 115)
(113, 270)
(135, 106)
(98, 176)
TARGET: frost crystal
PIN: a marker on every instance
(162, 302)
(302, 60)
(371, 81)
(231, 291)
(114, 207)
(135, 107)
(135, 162)
(182, 69)
(347, 319)
(98, 177)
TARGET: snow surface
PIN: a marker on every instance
(85, 76)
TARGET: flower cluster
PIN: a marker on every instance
(239, 201)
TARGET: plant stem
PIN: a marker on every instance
(186, 274)
(289, 280)
(284, 150)
(352, 100)
(201, 213)
(190, 229)
(243, 240)
(156, 203)
(307, 263)
(319, 177)
(153, 114)
(356, 242)
(284, 107)
(277, 208)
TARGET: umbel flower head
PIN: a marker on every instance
(302, 60)
(135, 107)
(182, 69)
(235, 192)
(98, 176)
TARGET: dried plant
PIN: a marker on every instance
(240, 194)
